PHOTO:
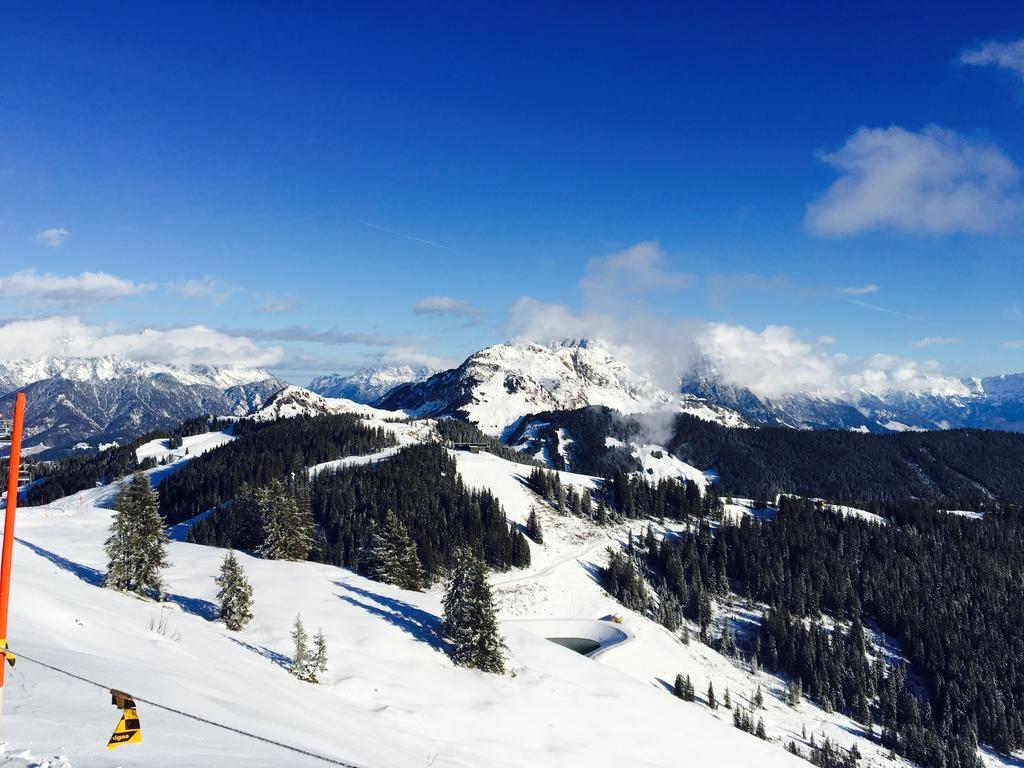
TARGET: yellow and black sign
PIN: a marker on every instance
(6, 653)
(128, 730)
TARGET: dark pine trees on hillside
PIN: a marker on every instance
(263, 453)
(273, 521)
(946, 588)
(391, 555)
(366, 517)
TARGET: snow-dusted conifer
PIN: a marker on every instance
(287, 524)
(469, 615)
(301, 658)
(318, 661)
(533, 527)
(392, 556)
(758, 699)
(679, 689)
(235, 596)
(136, 546)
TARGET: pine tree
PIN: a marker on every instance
(793, 693)
(727, 700)
(679, 688)
(234, 599)
(136, 547)
(687, 689)
(412, 577)
(301, 660)
(287, 524)
(759, 731)
(533, 527)
(758, 699)
(392, 556)
(711, 696)
(469, 616)
(318, 661)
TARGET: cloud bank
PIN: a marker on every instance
(772, 361)
(87, 286)
(70, 336)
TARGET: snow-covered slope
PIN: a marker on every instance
(390, 698)
(295, 401)
(368, 385)
(110, 398)
(500, 384)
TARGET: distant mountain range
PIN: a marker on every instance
(367, 385)
(88, 402)
(995, 402)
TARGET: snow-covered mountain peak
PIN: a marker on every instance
(295, 401)
(111, 398)
(368, 384)
(500, 384)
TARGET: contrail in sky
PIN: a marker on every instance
(406, 235)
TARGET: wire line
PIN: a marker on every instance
(198, 718)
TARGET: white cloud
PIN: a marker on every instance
(775, 360)
(69, 336)
(1002, 55)
(935, 341)
(329, 336)
(278, 305)
(770, 362)
(53, 237)
(87, 286)
(206, 288)
(858, 290)
(1014, 344)
(445, 305)
(624, 276)
(655, 344)
(932, 182)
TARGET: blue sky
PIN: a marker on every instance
(299, 182)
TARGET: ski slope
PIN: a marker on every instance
(391, 696)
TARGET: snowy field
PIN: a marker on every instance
(391, 697)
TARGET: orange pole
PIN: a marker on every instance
(12, 505)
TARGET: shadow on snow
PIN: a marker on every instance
(422, 625)
(94, 577)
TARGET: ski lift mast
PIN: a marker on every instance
(16, 428)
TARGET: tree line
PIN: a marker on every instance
(945, 588)
(264, 452)
(400, 521)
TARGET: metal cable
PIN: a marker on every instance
(197, 718)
